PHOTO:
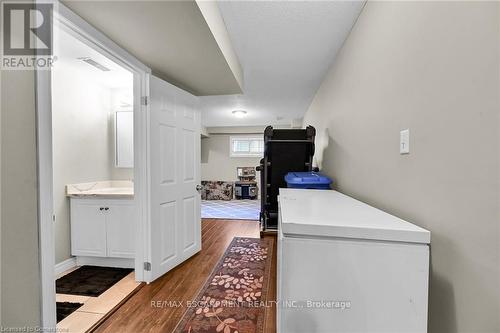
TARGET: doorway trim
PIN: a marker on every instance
(79, 28)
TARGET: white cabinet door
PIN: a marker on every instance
(88, 228)
(120, 228)
(174, 159)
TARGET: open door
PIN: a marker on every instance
(174, 166)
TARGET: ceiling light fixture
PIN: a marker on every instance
(239, 113)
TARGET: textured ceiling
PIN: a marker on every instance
(285, 49)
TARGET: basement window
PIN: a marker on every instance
(244, 146)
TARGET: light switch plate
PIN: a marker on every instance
(404, 141)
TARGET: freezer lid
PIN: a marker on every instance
(330, 213)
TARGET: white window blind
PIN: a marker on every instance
(246, 146)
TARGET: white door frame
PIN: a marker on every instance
(80, 29)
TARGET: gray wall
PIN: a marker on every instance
(216, 164)
(432, 67)
(20, 287)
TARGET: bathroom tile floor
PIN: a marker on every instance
(94, 308)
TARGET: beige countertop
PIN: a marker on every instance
(106, 189)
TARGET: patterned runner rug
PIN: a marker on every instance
(233, 300)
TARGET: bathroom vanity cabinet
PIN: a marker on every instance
(103, 227)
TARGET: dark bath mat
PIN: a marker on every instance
(64, 309)
(90, 280)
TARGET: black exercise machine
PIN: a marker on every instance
(285, 150)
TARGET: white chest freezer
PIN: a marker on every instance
(344, 266)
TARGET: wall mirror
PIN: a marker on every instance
(124, 139)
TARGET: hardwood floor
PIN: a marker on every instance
(184, 282)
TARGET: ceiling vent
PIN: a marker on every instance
(94, 63)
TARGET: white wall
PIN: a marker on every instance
(432, 67)
(83, 140)
(81, 110)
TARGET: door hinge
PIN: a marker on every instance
(147, 266)
(144, 100)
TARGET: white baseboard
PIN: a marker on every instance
(63, 266)
(105, 262)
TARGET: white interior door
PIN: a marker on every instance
(174, 164)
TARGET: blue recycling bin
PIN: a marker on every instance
(308, 180)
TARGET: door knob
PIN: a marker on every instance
(199, 188)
